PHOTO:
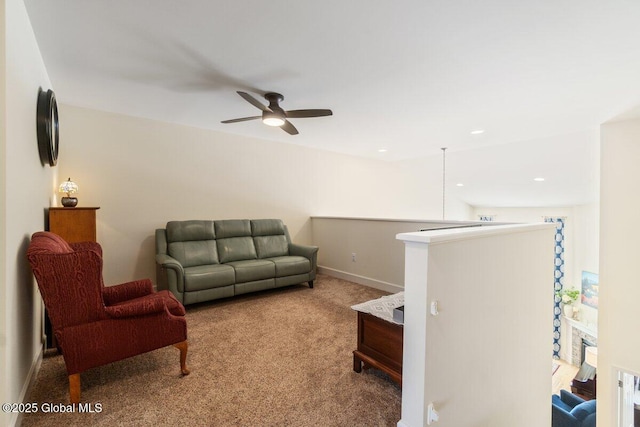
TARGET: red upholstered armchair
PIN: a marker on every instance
(93, 324)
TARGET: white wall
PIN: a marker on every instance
(459, 359)
(4, 367)
(143, 173)
(26, 189)
(419, 181)
(618, 343)
(581, 240)
(586, 247)
(379, 255)
(581, 233)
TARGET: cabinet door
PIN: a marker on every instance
(73, 224)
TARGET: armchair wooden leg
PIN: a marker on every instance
(183, 346)
(74, 388)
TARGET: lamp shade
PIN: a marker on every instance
(591, 356)
(68, 187)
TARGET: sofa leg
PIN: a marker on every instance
(183, 346)
(74, 388)
(311, 283)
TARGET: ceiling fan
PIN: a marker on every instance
(274, 115)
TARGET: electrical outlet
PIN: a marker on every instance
(432, 414)
(353, 257)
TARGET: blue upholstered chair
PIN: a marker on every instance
(569, 410)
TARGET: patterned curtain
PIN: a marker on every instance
(558, 282)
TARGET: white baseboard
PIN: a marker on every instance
(362, 280)
(16, 418)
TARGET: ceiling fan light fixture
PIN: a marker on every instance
(273, 121)
(271, 118)
(274, 115)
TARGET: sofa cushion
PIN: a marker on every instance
(291, 265)
(267, 227)
(232, 228)
(236, 249)
(181, 231)
(207, 277)
(555, 400)
(191, 253)
(589, 420)
(271, 246)
(252, 270)
(584, 409)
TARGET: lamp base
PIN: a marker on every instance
(69, 202)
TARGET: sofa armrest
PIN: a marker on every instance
(126, 291)
(561, 418)
(170, 275)
(310, 252)
(138, 307)
(570, 398)
(303, 250)
(167, 261)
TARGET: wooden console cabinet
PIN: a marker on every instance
(584, 389)
(73, 224)
(379, 346)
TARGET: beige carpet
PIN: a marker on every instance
(276, 358)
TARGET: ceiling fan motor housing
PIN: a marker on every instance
(274, 100)
(274, 115)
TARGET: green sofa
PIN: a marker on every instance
(207, 260)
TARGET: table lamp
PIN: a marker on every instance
(69, 187)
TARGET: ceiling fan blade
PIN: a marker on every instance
(242, 119)
(251, 100)
(296, 114)
(289, 128)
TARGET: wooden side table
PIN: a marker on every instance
(74, 224)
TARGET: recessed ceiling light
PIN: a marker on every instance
(539, 179)
(477, 131)
(459, 184)
(382, 150)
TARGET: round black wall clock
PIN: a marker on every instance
(47, 123)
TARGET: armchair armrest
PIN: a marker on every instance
(126, 291)
(138, 307)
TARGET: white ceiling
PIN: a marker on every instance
(410, 77)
